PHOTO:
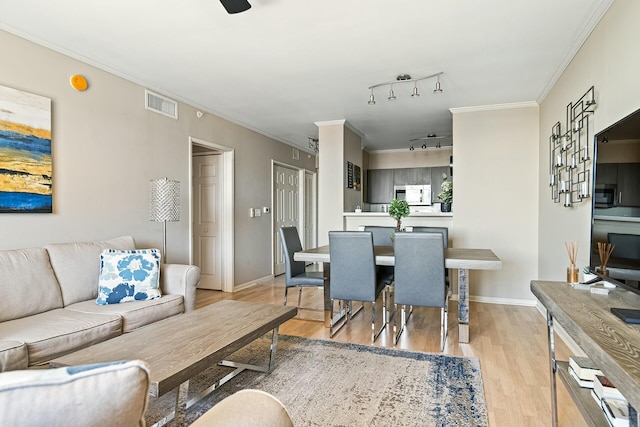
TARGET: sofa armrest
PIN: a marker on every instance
(246, 408)
(180, 279)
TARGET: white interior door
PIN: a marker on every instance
(207, 184)
(286, 192)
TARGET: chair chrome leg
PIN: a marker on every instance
(375, 334)
(286, 290)
(340, 321)
(353, 314)
(444, 323)
(396, 336)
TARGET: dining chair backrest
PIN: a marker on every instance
(381, 235)
(353, 266)
(442, 230)
(291, 244)
(419, 269)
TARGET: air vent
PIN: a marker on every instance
(160, 104)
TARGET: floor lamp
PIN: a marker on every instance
(164, 205)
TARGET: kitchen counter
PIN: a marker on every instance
(386, 214)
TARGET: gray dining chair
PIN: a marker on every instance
(442, 230)
(382, 237)
(295, 271)
(419, 278)
(354, 277)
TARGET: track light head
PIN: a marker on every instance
(411, 148)
(415, 91)
(424, 146)
(438, 89)
(372, 99)
(392, 96)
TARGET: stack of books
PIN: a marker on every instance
(612, 402)
(583, 371)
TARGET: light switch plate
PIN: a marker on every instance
(251, 213)
(257, 211)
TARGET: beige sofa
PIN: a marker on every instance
(48, 307)
(114, 394)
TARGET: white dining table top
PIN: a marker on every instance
(473, 259)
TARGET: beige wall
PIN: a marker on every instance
(606, 61)
(353, 154)
(330, 180)
(495, 196)
(394, 159)
(106, 147)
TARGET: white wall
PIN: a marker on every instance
(330, 179)
(106, 147)
(495, 196)
(609, 62)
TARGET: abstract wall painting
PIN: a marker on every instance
(25, 152)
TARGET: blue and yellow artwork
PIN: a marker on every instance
(25, 152)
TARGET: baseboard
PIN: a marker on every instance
(251, 284)
(503, 301)
(557, 329)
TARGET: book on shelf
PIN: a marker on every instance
(581, 382)
(584, 368)
(616, 411)
(603, 388)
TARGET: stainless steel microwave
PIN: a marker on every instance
(415, 195)
(605, 196)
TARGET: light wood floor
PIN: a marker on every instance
(510, 341)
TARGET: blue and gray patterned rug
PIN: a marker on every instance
(327, 383)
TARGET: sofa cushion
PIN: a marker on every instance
(13, 355)
(113, 394)
(128, 275)
(57, 332)
(77, 266)
(28, 285)
(137, 313)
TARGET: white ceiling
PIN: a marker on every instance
(285, 64)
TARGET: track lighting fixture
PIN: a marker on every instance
(392, 96)
(438, 89)
(313, 144)
(405, 78)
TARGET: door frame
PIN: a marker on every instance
(301, 199)
(227, 209)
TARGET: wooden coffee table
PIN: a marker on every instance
(182, 346)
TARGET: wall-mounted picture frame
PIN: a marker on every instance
(25, 152)
(357, 183)
(349, 177)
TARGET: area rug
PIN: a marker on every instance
(326, 383)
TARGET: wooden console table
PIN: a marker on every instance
(613, 345)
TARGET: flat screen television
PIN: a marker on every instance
(616, 202)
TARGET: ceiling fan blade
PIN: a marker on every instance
(235, 6)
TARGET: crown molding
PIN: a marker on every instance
(510, 106)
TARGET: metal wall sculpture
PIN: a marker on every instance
(569, 154)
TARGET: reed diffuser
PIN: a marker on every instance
(605, 250)
(572, 270)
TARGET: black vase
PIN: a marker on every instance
(445, 207)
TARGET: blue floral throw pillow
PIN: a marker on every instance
(128, 275)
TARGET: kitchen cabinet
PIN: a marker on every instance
(607, 173)
(379, 185)
(628, 184)
(626, 178)
(436, 181)
(412, 176)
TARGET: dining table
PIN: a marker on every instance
(455, 258)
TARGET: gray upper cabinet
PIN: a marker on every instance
(380, 185)
(411, 176)
(607, 173)
(628, 184)
(436, 181)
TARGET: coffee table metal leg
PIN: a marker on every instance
(181, 404)
(463, 305)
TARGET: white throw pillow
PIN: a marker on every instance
(128, 275)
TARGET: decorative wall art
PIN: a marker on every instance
(569, 158)
(25, 152)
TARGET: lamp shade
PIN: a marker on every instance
(164, 200)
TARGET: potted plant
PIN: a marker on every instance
(446, 194)
(398, 209)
